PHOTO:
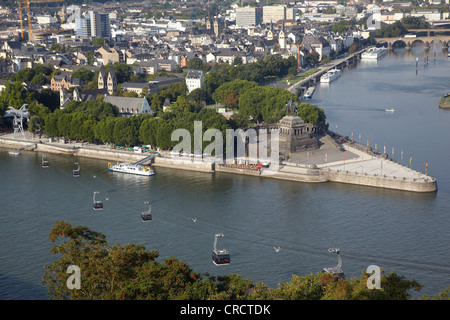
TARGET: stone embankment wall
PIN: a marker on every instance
(414, 185)
(285, 172)
(249, 172)
(183, 164)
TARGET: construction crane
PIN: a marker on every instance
(22, 4)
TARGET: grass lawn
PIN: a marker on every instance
(302, 75)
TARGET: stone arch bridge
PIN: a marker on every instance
(427, 41)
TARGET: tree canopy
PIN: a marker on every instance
(131, 272)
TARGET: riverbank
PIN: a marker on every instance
(444, 103)
(332, 162)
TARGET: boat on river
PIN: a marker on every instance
(331, 75)
(132, 168)
(309, 93)
(390, 110)
(374, 53)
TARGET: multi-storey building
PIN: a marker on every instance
(194, 80)
(93, 25)
(100, 26)
(246, 17)
(273, 14)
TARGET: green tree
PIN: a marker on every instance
(84, 74)
(195, 63)
(148, 131)
(238, 86)
(170, 280)
(14, 95)
(105, 269)
(311, 113)
(99, 41)
(232, 100)
(237, 60)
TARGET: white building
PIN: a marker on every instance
(46, 19)
(194, 80)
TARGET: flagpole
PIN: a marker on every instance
(362, 165)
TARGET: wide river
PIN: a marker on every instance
(405, 232)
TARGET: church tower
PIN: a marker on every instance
(112, 81)
(270, 32)
(102, 78)
(62, 96)
(208, 22)
(282, 38)
(216, 27)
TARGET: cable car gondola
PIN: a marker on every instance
(98, 205)
(76, 172)
(44, 162)
(146, 216)
(337, 269)
(220, 257)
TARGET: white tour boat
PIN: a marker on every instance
(309, 93)
(331, 75)
(126, 167)
(389, 110)
(374, 53)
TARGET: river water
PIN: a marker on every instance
(405, 232)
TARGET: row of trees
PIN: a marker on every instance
(131, 272)
(263, 71)
(97, 121)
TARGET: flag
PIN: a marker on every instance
(367, 142)
(326, 156)
(352, 136)
(392, 151)
(426, 166)
(410, 159)
(376, 145)
(384, 149)
(402, 155)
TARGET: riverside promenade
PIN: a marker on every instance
(344, 162)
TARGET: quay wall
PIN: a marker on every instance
(286, 172)
(183, 164)
(417, 185)
(249, 172)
